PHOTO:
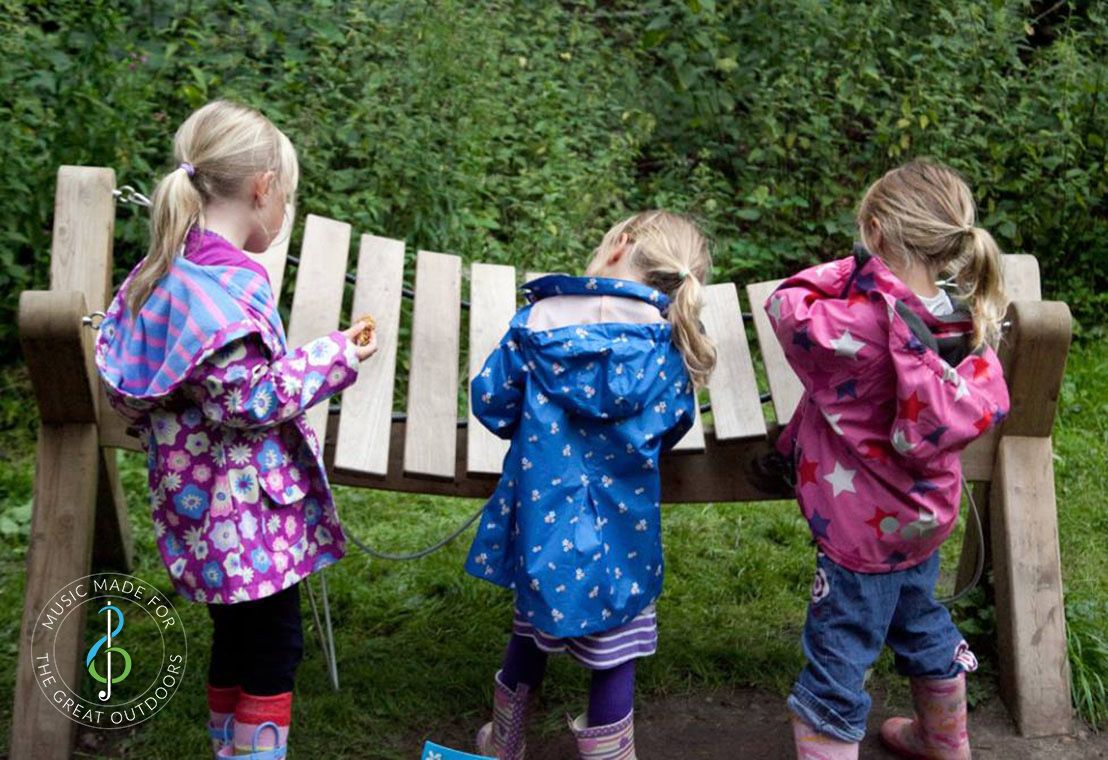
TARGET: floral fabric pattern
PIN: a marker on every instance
(241, 504)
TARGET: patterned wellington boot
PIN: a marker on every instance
(812, 745)
(938, 731)
(270, 752)
(504, 738)
(222, 736)
(615, 741)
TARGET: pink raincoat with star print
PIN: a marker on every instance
(892, 396)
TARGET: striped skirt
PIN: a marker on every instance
(600, 651)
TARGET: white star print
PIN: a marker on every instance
(901, 443)
(833, 421)
(841, 479)
(847, 345)
(774, 309)
(963, 389)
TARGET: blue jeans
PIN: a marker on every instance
(850, 619)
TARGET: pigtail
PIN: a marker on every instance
(981, 283)
(175, 208)
(698, 350)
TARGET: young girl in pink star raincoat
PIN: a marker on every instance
(899, 378)
(193, 352)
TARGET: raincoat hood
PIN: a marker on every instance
(615, 371)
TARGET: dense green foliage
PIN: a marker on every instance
(512, 131)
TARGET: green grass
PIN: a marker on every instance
(418, 641)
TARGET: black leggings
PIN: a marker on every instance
(257, 645)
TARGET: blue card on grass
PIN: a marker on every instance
(432, 751)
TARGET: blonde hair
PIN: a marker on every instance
(217, 149)
(672, 255)
(925, 213)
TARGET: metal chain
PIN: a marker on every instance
(129, 195)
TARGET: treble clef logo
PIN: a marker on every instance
(90, 659)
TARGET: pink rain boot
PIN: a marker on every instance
(812, 745)
(615, 741)
(938, 731)
(504, 738)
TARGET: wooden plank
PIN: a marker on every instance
(1030, 614)
(1021, 277)
(736, 406)
(317, 302)
(58, 352)
(430, 444)
(363, 434)
(721, 473)
(693, 441)
(784, 385)
(59, 551)
(1034, 353)
(492, 297)
(84, 224)
(113, 548)
(275, 256)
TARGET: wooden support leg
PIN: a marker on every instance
(1034, 667)
(59, 552)
(112, 548)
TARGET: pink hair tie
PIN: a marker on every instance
(189, 168)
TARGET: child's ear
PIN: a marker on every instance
(263, 186)
(619, 250)
(875, 234)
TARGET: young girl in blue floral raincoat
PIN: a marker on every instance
(593, 381)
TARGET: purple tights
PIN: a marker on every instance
(611, 692)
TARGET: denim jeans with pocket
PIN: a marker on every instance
(850, 619)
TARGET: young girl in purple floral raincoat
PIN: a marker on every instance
(192, 351)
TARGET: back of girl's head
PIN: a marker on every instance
(923, 212)
(671, 254)
(218, 150)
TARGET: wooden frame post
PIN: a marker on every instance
(77, 494)
(1030, 613)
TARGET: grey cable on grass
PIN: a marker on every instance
(979, 567)
(416, 554)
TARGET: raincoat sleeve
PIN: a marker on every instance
(497, 391)
(682, 402)
(942, 408)
(240, 386)
(821, 335)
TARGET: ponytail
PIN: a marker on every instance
(981, 283)
(671, 254)
(698, 350)
(925, 213)
(175, 208)
(218, 148)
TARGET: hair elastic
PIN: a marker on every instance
(189, 168)
(682, 274)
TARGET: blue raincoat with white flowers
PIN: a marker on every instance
(574, 524)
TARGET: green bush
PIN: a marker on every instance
(776, 115)
(515, 132)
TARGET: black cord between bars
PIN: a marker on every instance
(407, 292)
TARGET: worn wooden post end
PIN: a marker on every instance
(1034, 666)
(56, 348)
